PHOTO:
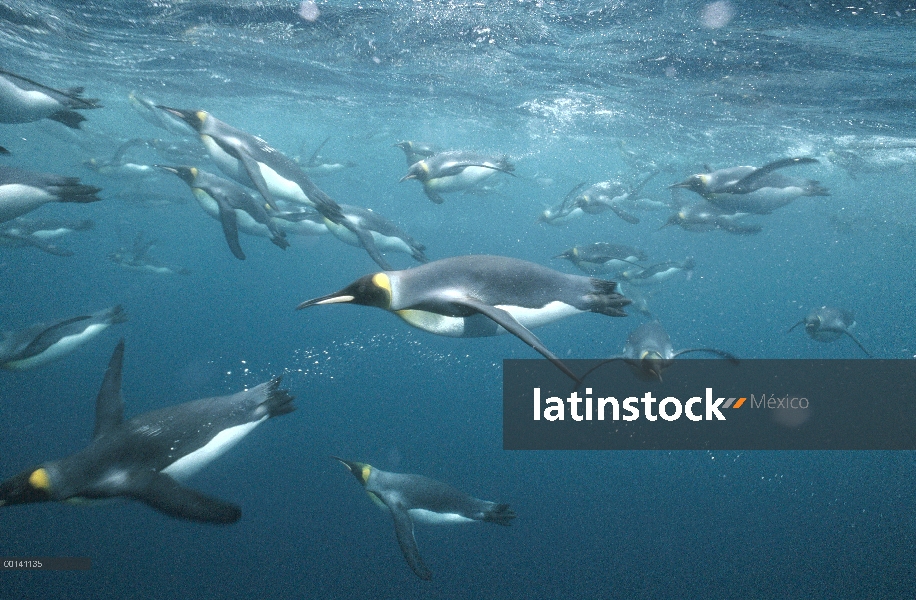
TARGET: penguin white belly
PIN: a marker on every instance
(227, 163)
(305, 227)
(421, 515)
(63, 346)
(560, 219)
(382, 242)
(535, 317)
(21, 106)
(17, 199)
(434, 323)
(282, 187)
(189, 464)
(468, 177)
(49, 234)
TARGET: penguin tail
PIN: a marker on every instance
(505, 165)
(277, 402)
(605, 300)
(500, 514)
(73, 191)
(814, 188)
(70, 118)
(117, 315)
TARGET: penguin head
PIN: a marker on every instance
(187, 174)
(194, 118)
(419, 171)
(571, 255)
(370, 290)
(360, 470)
(652, 363)
(696, 183)
(812, 324)
(29, 486)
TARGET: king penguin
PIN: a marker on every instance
(454, 171)
(38, 233)
(24, 101)
(414, 497)
(703, 216)
(482, 296)
(231, 205)
(144, 458)
(23, 191)
(387, 235)
(649, 352)
(602, 257)
(752, 189)
(41, 343)
(828, 324)
(251, 161)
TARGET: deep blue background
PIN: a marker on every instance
(558, 87)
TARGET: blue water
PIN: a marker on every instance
(557, 87)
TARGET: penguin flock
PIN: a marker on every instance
(264, 193)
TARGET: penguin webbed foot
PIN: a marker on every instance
(500, 514)
(606, 300)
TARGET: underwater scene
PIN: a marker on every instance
(204, 204)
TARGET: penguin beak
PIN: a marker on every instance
(172, 170)
(406, 177)
(22, 489)
(335, 298)
(357, 469)
(188, 116)
(683, 184)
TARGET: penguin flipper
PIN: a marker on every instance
(109, 406)
(853, 338)
(436, 198)
(601, 364)
(47, 337)
(70, 118)
(726, 355)
(403, 529)
(802, 322)
(368, 243)
(744, 184)
(254, 173)
(508, 322)
(629, 218)
(166, 495)
(230, 224)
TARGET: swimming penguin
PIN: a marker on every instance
(318, 166)
(828, 324)
(137, 258)
(754, 190)
(23, 191)
(414, 497)
(231, 205)
(251, 161)
(387, 235)
(416, 151)
(158, 117)
(602, 257)
(20, 233)
(145, 457)
(454, 171)
(24, 101)
(649, 352)
(659, 273)
(703, 216)
(481, 296)
(596, 199)
(41, 343)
